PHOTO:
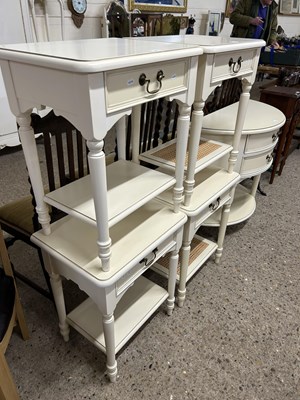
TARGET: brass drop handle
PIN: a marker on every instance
(269, 158)
(274, 137)
(236, 65)
(147, 262)
(215, 205)
(159, 77)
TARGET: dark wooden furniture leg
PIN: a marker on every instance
(289, 138)
(279, 150)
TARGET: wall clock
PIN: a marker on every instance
(77, 8)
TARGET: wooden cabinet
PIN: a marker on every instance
(286, 99)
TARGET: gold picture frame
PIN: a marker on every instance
(158, 5)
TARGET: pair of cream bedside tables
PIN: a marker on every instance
(124, 218)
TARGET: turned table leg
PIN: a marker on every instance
(173, 264)
(183, 124)
(241, 115)
(194, 140)
(223, 226)
(109, 336)
(184, 263)
(58, 295)
(27, 139)
(97, 166)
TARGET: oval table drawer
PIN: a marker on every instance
(123, 87)
(261, 142)
(256, 164)
(233, 64)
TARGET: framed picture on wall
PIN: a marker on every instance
(214, 22)
(289, 6)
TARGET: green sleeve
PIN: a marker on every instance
(274, 23)
(240, 15)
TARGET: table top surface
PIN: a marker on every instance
(96, 55)
(209, 44)
(260, 118)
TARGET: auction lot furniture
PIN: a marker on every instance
(259, 137)
(115, 228)
(286, 99)
(208, 186)
(124, 217)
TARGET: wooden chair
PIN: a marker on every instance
(158, 125)
(66, 160)
(11, 312)
(224, 95)
(158, 122)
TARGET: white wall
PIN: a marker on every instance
(290, 24)
(11, 31)
(92, 24)
(91, 27)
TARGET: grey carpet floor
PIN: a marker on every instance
(237, 336)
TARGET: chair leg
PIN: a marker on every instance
(47, 293)
(20, 317)
(9, 271)
(32, 284)
(8, 390)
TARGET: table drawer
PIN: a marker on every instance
(232, 64)
(123, 88)
(256, 164)
(211, 208)
(261, 142)
(127, 280)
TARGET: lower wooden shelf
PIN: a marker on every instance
(132, 311)
(201, 250)
(243, 206)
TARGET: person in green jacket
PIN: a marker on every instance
(255, 19)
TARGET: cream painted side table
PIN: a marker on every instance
(207, 188)
(115, 229)
(259, 137)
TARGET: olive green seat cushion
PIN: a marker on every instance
(18, 215)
